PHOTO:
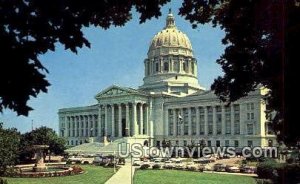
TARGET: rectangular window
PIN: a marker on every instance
(194, 128)
(250, 143)
(156, 67)
(219, 123)
(218, 143)
(237, 123)
(158, 144)
(252, 106)
(186, 121)
(226, 143)
(171, 122)
(236, 143)
(201, 112)
(184, 143)
(252, 115)
(250, 129)
(209, 143)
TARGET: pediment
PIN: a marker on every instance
(116, 91)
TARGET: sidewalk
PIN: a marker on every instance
(122, 175)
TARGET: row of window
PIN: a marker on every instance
(207, 143)
(176, 67)
(185, 119)
(80, 133)
(92, 124)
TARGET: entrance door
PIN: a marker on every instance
(123, 127)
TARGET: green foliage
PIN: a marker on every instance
(156, 166)
(41, 136)
(2, 181)
(268, 169)
(144, 166)
(290, 173)
(261, 39)
(31, 28)
(9, 147)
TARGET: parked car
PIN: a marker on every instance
(233, 169)
(219, 167)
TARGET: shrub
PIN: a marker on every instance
(77, 162)
(201, 169)
(86, 162)
(69, 162)
(268, 169)
(168, 167)
(290, 173)
(144, 166)
(110, 165)
(2, 181)
(156, 166)
(76, 169)
(192, 168)
(264, 181)
(102, 164)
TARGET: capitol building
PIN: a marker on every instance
(170, 106)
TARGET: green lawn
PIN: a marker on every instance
(187, 177)
(93, 174)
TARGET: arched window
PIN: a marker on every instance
(193, 68)
(184, 66)
(166, 66)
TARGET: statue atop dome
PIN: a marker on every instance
(170, 20)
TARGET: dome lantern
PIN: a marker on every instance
(170, 22)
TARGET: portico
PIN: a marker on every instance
(122, 112)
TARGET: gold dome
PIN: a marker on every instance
(170, 40)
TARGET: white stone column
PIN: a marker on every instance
(190, 120)
(205, 121)
(223, 120)
(214, 121)
(182, 122)
(127, 129)
(174, 123)
(106, 119)
(75, 124)
(146, 120)
(89, 125)
(141, 119)
(166, 114)
(135, 130)
(99, 121)
(120, 120)
(197, 121)
(232, 118)
(112, 120)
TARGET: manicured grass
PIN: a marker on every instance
(188, 177)
(92, 175)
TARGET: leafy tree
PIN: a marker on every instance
(29, 28)
(262, 39)
(41, 136)
(9, 146)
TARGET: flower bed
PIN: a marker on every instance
(65, 171)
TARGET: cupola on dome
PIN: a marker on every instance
(170, 38)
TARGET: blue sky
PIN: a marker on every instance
(116, 57)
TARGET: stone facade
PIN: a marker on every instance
(169, 106)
